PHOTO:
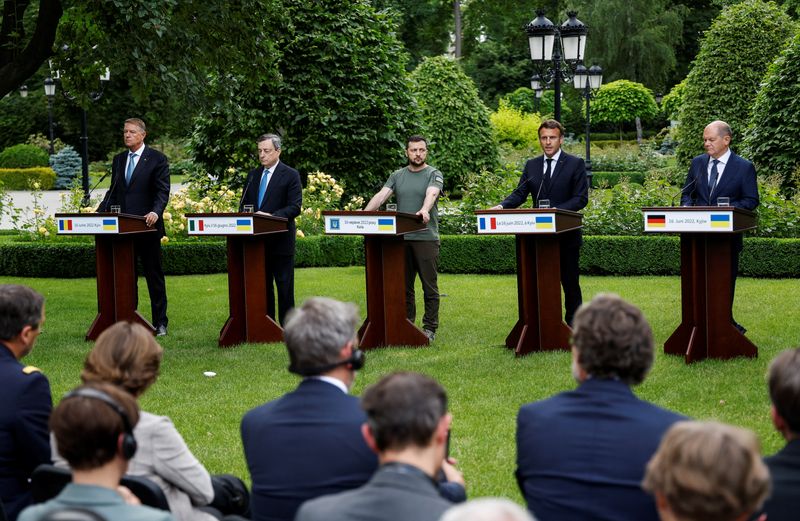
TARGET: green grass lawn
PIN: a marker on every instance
(485, 382)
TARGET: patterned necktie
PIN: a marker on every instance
(712, 181)
(546, 178)
(262, 187)
(131, 166)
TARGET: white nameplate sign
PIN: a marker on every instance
(220, 225)
(360, 225)
(89, 225)
(678, 221)
(517, 223)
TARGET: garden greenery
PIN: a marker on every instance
(622, 101)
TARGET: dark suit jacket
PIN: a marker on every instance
(784, 468)
(303, 445)
(582, 454)
(283, 198)
(24, 435)
(149, 188)
(391, 495)
(738, 183)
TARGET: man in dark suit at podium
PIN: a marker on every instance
(560, 178)
(582, 454)
(140, 186)
(274, 188)
(308, 442)
(721, 173)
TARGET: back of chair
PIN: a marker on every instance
(147, 491)
(48, 481)
(72, 514)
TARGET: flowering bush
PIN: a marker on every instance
(322, 192)
(188, 200)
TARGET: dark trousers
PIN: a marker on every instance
(148, 250)
(570, 278)
(280, 270)
(422, 258)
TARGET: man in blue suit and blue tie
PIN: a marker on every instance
(721, 173)
(582, 454)
(308, 443)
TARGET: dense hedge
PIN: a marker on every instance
(602, 255)
(18, 178)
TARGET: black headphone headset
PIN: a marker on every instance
(127, 443)
(356, 362)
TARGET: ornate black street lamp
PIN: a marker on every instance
(23, 91)
(588, 81)
(50, 92)
(556, 51)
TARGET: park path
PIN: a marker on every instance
(50, 201)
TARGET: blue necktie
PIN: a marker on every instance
(712, 182)
(262, 187)
(131, 166)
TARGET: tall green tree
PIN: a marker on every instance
(623, 101)
(423, 26)
(341, 100)
(734, 56)
(454, 119)
(775, 122)
(633, 39)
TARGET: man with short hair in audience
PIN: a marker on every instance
(93, 426)
(784, 466)
(581, 454)
(26, 403)
(407, 426)
(308, 443)
(707, 471)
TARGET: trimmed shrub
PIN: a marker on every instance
(775, 116)
(672, 101)
(601, 255)
(623, 101)
(23, 156)
(454, 119)
(514, 127)
(523, 99)
(752, 32)
(22, 178)
(66, 164)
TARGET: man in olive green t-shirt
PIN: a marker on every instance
(417, 188)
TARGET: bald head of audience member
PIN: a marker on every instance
(611, 340)
(707, 471)
(487, 509)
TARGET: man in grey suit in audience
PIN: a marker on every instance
(407, 426)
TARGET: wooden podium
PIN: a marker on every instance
(248, 320)
(115, 264)
(706, 329)
(386, 323)
(540, 326)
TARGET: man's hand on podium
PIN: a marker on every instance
(425, 216)
(497, 207)
(151, 218)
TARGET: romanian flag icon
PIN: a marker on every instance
(485, 223)
(65, 225)
(721, 220)
(657, 221)
(244, 225)
(386, 225)
(544, 222)
(110, 224)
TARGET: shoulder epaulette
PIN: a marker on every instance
(29, 369)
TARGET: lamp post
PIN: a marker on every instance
(588, 81)
(536, 85)
(50, 92)
(556, 51)
(23, 91)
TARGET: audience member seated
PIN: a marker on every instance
(308, 442)
(582, 454)
(487, 509)
(26, 403)
(407, 426)
(784, 467)
(706, 471)
(128, 356)
(93, 426)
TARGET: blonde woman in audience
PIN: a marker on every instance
(487, 509)
(707, 471)
(127, 355)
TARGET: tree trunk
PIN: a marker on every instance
(457, 17)
(638, 130)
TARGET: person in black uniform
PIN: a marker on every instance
(140, 186)
(26, 404)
